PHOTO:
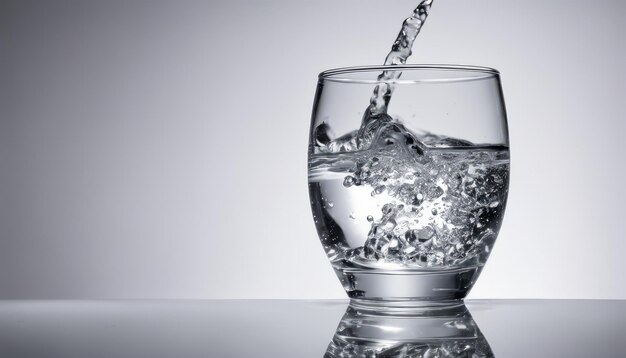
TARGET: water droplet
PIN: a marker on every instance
(434, 211)
(330, 204)
(349, 181)
(370, 218)
(320, 133)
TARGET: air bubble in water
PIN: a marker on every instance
(435, 192)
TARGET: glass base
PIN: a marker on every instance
(408, 289)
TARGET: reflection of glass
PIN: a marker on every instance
(449, 332)
(408, 199)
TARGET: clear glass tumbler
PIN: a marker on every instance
(408, 200)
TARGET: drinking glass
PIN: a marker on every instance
(408, 200)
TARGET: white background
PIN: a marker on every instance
(154, 149)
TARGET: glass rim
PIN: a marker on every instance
(461, 73)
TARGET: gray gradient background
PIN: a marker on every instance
(158, 149)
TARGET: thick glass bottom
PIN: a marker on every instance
(408, 289)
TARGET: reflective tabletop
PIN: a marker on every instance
(319, 328)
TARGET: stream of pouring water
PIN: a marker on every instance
(400, 52)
